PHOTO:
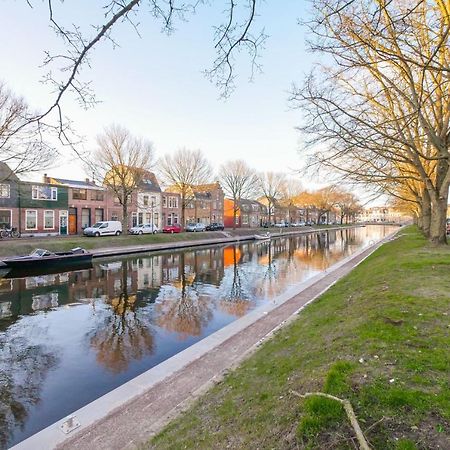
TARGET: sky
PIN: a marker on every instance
(154, 84)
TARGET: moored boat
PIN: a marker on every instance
(262, 237)
(44, 258)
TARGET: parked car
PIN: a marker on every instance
(267, 225)
(147, 228)
(281, 225)
(107, 228)
(448, 226)
(175, 228)
(195, 227)
(215, 227)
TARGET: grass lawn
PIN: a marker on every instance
(380, 338)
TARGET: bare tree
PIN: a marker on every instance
(290, 191)
(23, 148)
(121, 162)
(324, 200)
(382, 107)
(239, 181)
(271, 186)
(181, 171)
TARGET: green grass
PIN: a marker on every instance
(380, 338)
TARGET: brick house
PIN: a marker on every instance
(86, 202)
(33, 208)
(251, 213)
(171, 208)
(207, 204)
(149, 202)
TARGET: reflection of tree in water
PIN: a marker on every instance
(180, 307)
(22, 371)
(236, 298)
(122, 337)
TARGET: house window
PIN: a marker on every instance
(5, 218)
(99, 215)
(4, 190)
(114, 216)
(148, 218)
(49, 220)
(164, 201)
(44, 193)
(98, 196)
(31, 220)
(79, 194)
(153, 201)
(134, 219)
(85, 218)
(145, 200)
(156, 219)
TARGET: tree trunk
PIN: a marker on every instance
(438, 232)
(124, 216)
(425, 219)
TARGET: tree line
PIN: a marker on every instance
(377, 111)
(122, 162)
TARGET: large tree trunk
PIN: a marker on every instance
(438, 232)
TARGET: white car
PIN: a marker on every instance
(147, 228)
(280, 225)
(107, 228)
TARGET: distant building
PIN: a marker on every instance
(205, 203)
(382, 214)
(250, 213)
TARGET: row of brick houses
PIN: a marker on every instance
(253, 213)
(63, 206)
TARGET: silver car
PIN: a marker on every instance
(195, 227)
(147, 228)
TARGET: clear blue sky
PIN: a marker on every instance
(154, 86)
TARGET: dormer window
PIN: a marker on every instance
(5, 190)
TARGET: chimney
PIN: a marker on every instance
(46, 179)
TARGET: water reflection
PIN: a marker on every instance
(66, 339)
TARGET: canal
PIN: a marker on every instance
(68, 338)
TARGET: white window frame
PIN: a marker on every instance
(35, 190)
(8, 188)
(26, 219)
(53, 219)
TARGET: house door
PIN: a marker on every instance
(72, 220)
(63, 223)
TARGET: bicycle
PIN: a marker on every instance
(9, 232)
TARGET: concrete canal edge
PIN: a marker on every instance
(138, 409)
(132, 249)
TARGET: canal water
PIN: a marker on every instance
(68, 338)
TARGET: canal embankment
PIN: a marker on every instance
(129, 244)
(127, 416)
(379, 338)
